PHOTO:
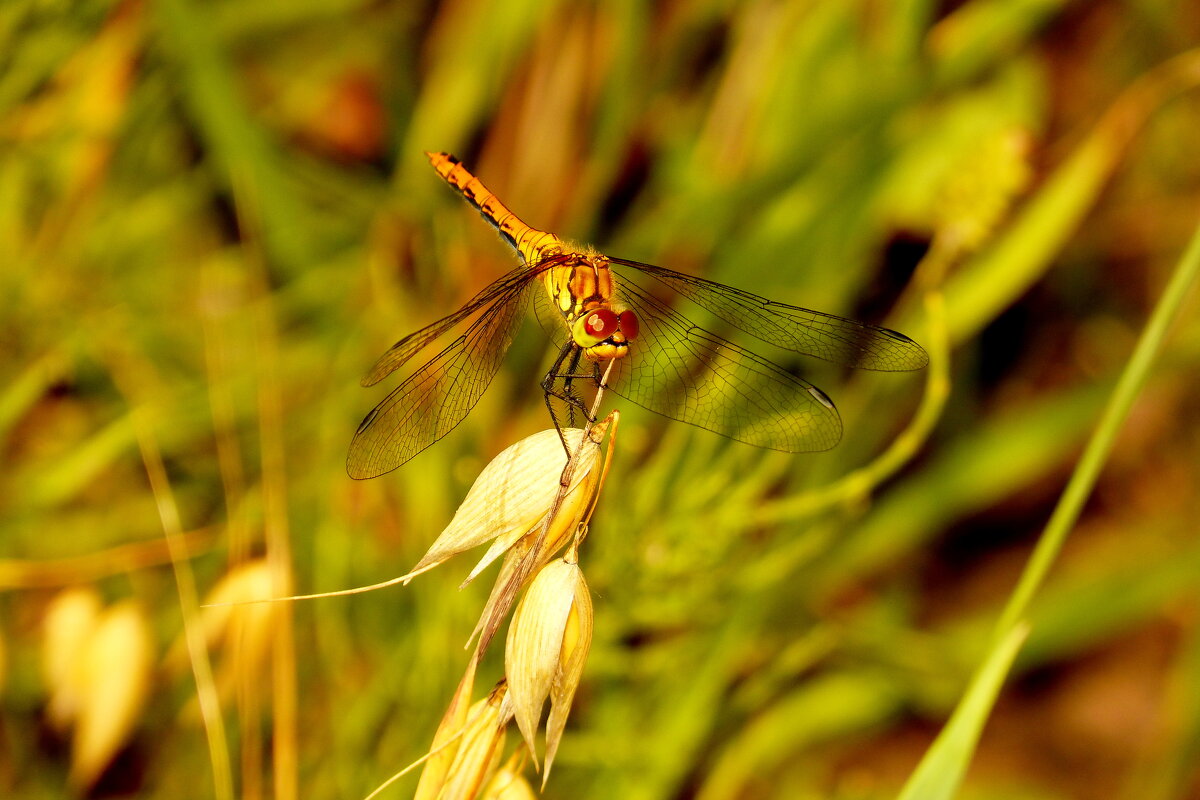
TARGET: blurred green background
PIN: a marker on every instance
(215, 216)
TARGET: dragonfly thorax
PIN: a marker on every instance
(581, 286)
(578, 282)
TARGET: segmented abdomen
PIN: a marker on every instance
(532, 244)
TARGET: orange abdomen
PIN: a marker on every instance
(532, 244)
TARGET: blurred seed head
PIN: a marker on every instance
(241, 634)
(68, 625)
(976, 196)
(97, 663)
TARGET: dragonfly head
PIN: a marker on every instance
(605, 333)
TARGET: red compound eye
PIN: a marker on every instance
(629, 325)
(601, 323)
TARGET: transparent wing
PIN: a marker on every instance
(550, 319)
(410, 345)
(439, 395)
(813, 333)
(679, 370)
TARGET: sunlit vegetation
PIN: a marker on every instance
(215, 216)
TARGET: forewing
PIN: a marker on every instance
(812, 333)
(679, 370)
(550, 319)
(440, 394)
(410, 345)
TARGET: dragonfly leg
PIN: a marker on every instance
(574, 401)
(567, 393)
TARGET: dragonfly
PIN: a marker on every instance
(604, 312)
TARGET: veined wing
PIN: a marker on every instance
(684, 372)
(410, 345)
(439, 395)
(550, 319)
(813, 333)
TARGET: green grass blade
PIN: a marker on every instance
(941, 770)
(1133, 377)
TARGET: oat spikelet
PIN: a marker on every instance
(547, 645)
(512, 497)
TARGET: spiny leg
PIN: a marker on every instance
(567, 393)
(574, 401)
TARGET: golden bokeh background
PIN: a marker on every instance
(214, 217)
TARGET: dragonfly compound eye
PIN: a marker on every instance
(595, 326)
(629, 325)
